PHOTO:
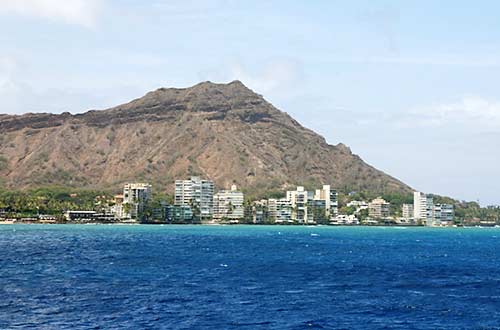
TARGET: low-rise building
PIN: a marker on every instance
(47, 218)
(179, 214)
(343, 219)
(357, 204)
(88, 217)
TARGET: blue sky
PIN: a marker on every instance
(410, 86)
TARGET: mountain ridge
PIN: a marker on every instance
(225, 132)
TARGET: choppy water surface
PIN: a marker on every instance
(248, 277)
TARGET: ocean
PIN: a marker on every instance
(248, 277)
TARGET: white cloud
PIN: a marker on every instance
(79, 12)
(471, 111)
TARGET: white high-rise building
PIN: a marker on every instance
(135, 195)
(422, 207)
(330, 196)
(229, 204)
(196, 193)
(298, 199)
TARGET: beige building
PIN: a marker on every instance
(407, 210)
(379, 209)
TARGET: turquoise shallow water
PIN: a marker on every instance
(248, 277)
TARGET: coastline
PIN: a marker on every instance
(10, 223)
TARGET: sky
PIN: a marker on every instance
(410, 86)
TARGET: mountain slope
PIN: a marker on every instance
(225, 132)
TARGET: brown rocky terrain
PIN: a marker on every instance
(225, 132)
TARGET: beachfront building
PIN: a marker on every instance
(299, 206)
(344, 220)
(423, 207)
(178, 214)
(283, 211)
(117, 207)
(272, 208)
(299, 199)
(135, 198)
(330, 198)
(407, 211)
(379, 209)
(443, 214)
(277, 210)
(228, 204)
(196, 193)
(88, 217)
(257, 212)
(432, 214)
(311, 207)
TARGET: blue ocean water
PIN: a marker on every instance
(248, 277)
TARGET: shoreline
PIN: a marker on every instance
(10, 223)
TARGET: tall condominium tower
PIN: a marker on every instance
(422, 206)
(136, 195)
(330, 196)
(196, 193)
